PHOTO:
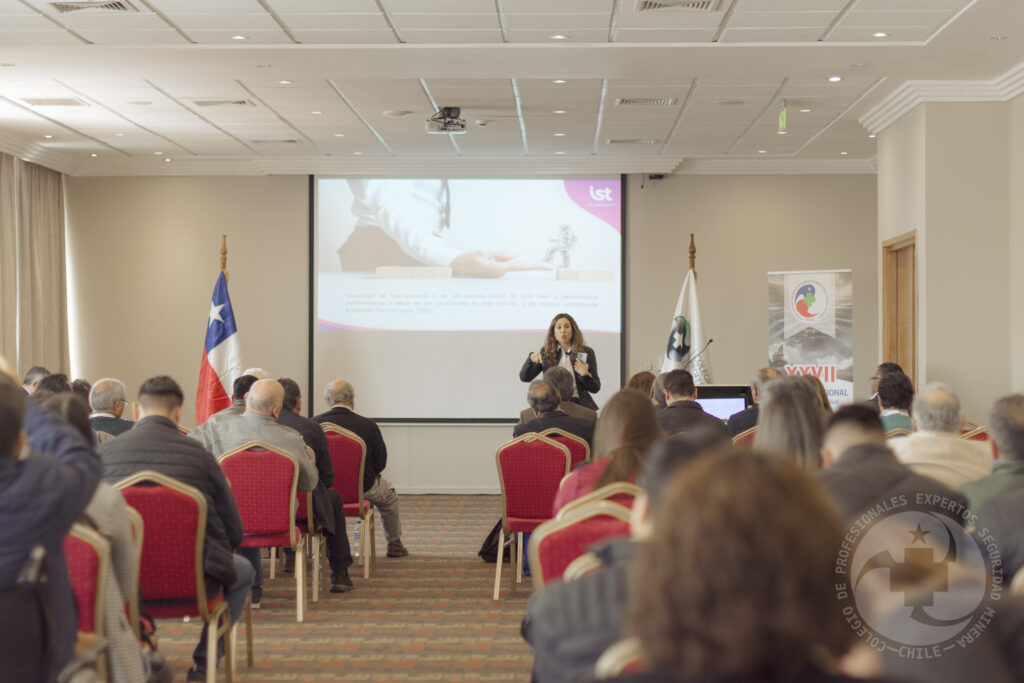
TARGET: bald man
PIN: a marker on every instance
(340, 398)
(259, 423)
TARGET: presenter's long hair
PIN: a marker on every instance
(550, 350)
(625, 431)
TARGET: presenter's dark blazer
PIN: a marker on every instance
(591, 384)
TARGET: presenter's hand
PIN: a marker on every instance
(488, 264)
(535, 357)
(581, 368)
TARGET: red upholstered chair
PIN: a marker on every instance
(313, 537)
(184, 430)
(621, 492)
(264, 480)
(975, 434)
(138, 528)
(584, 564)
(530, 468)
(88, 558)
(556, 543)
(348, 456)
(745, 438)
(624, 657)
(578, 447)
(172, 579)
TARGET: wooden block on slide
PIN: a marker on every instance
(584, 275)
(414, 272)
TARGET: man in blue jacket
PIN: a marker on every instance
(41, 497)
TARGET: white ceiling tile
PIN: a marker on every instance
(283, 7)
(110, 22)
(440, 6)
(452, 36)
(864, 34)
(347, 37)
(781, 19)
(897, 5)
(446, 21)
(588, 35)
(557, 6)
(558, 21)
(165, 36)
(335, 21)
(791, 5)
(670, 19)
(25, 22)
(252, 37)
(175, 7)
(239, 23)
(771, 35)
(884, 20)
(48, 37)
(14, 8)
(657, 35)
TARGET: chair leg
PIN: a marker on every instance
(519, 559)
(313, 544)
(232, 661)
(366, 551)
(212, 636)
(300, 583)
(229, 646)
(324, 578)
(497, 569)
(248, 631)
(273, 563)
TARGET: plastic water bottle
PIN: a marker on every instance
(355, 538)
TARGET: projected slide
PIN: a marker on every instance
(467, 254)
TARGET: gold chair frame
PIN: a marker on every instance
(561, 432)
(368, 539)
(101, 546)
(605, 492)
(596, 508)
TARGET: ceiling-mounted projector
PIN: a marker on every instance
(447, 122)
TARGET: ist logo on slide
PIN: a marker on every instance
(602, 194)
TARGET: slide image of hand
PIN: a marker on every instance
(488, 264)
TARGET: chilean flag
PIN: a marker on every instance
(222, 357)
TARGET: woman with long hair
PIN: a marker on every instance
(790, 422)
(821, 393)
(626, 429)
(564, 345)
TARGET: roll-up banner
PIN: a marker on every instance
(810, 328)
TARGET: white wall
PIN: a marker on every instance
(1015, 252)
(144, 257)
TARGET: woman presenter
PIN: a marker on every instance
(564, 346)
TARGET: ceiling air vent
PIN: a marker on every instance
(632, 141)
(55, 102)
(100, 5)
(645, 101)
(691, 5)
(224, 103)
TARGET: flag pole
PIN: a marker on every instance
(224, 255)
(693, 256)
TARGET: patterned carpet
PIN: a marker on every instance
(426, 617)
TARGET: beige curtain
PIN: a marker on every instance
(33, 299)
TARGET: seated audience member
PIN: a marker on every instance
(156, 444)
(880, 372)
(107, 400)
(56, 382)
(239, 390)
(682, 412)
(821, 393)
(641, 381)
(1006, 429)
(625, 431)
(658, 393)
(32, 377)
(107, 513)
(263, 403)
(81, 389)
(41, 497)
(341, 399)
(861, 472)
(895, 394)
(790, 421)
(767, 613)
(745, 419)
(564, 383)
(570, 624)
(544, 402)
(328, 509)
(935, 449)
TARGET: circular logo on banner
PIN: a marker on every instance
(810, 301)
(914, 581)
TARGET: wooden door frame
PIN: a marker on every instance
(889, 249)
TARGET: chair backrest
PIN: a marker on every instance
(530, 468)
(621, 492)
(264, 479)
(174, 515)
(88, 558)
(624, 657)
(304, 512)
(138, 533)
(578, 447)
(746, 437)
(26, 623)
(897, 433)
(184, 430)
(348, 456)
(556, 543)
(976, 434)
(581, 566)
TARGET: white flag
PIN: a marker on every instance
(686, 339)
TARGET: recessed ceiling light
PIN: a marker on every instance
(835, 79)
(316, 113)
(782, 132)
(358, 154)
(858, 65)
(94, 155)
(7, 65)
(559, 153)
(994, 37)
(285, 82)
(881, 34)
(805, 111)
(559, 81)
(48, 137)
(166, 159)
(396, 113)
(872, 135)
(558, 36)
(558, 111)
(843, 153)
(559, 135)
(120, 135)
(339, 135)
(762, 151)
(157, 153)
(239, 37)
